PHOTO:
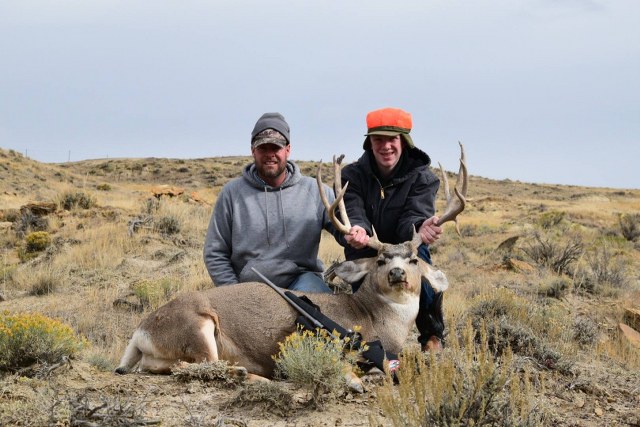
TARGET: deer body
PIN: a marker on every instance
(243, 323)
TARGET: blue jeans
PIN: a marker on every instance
(311, 283)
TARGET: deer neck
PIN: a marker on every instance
(384, 309)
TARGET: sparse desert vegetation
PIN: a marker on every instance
(539, 284)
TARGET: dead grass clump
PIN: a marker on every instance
(41, 280)
(102, 247)
(557, 252)
(466, 385)
(24, 403)
(217, 372)
(604, 271)
(28, 222)
(269, 396)
(109, 411)
(513, 324)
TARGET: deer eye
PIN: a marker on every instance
(381, 262)
(413, 261)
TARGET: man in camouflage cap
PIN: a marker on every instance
(271, 218)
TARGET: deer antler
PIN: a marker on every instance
(455, 205)
(345, 226)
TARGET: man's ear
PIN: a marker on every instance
(288, 149)
(436, 278)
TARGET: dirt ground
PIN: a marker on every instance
(79, 391)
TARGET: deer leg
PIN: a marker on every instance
(354, 383)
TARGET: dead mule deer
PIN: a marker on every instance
(243, 323)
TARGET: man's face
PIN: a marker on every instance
(387, 151)
(271, 160)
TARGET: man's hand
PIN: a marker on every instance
(429, 231)
(357, 237)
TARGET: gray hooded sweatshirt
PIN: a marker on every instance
(274, 229)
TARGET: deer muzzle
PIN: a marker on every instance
(396, 275)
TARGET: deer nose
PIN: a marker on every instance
(396, 274)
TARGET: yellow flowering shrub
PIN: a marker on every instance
(316, 361)
(37, 241)
(28, 338)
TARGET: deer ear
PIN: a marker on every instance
(436, 278)
(352, 271)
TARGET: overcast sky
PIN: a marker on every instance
(544, 91)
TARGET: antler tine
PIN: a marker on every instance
(345, 226)
(455, 205)
(331, 208)
(337, 186)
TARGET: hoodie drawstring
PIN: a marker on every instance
(266, 207)
(284, 222)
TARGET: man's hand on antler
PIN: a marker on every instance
(429, 231)
(357, 237)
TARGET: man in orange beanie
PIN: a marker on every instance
(392, 189)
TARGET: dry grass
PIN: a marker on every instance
(546, 318)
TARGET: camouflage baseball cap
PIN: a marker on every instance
(274, 122)
(269, 136)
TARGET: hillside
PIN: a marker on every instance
(560, 262)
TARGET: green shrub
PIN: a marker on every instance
(585, 331)
(37, 241)
(550, 219)
(153, 293)
(168, 224)
(315, 361)
(103, 187)
(630, 226)
(100, 362)
(29, 338)
(79, 199)
(556, 286)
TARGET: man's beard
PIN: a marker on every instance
(272, 173)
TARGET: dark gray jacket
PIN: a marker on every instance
(395, 206)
